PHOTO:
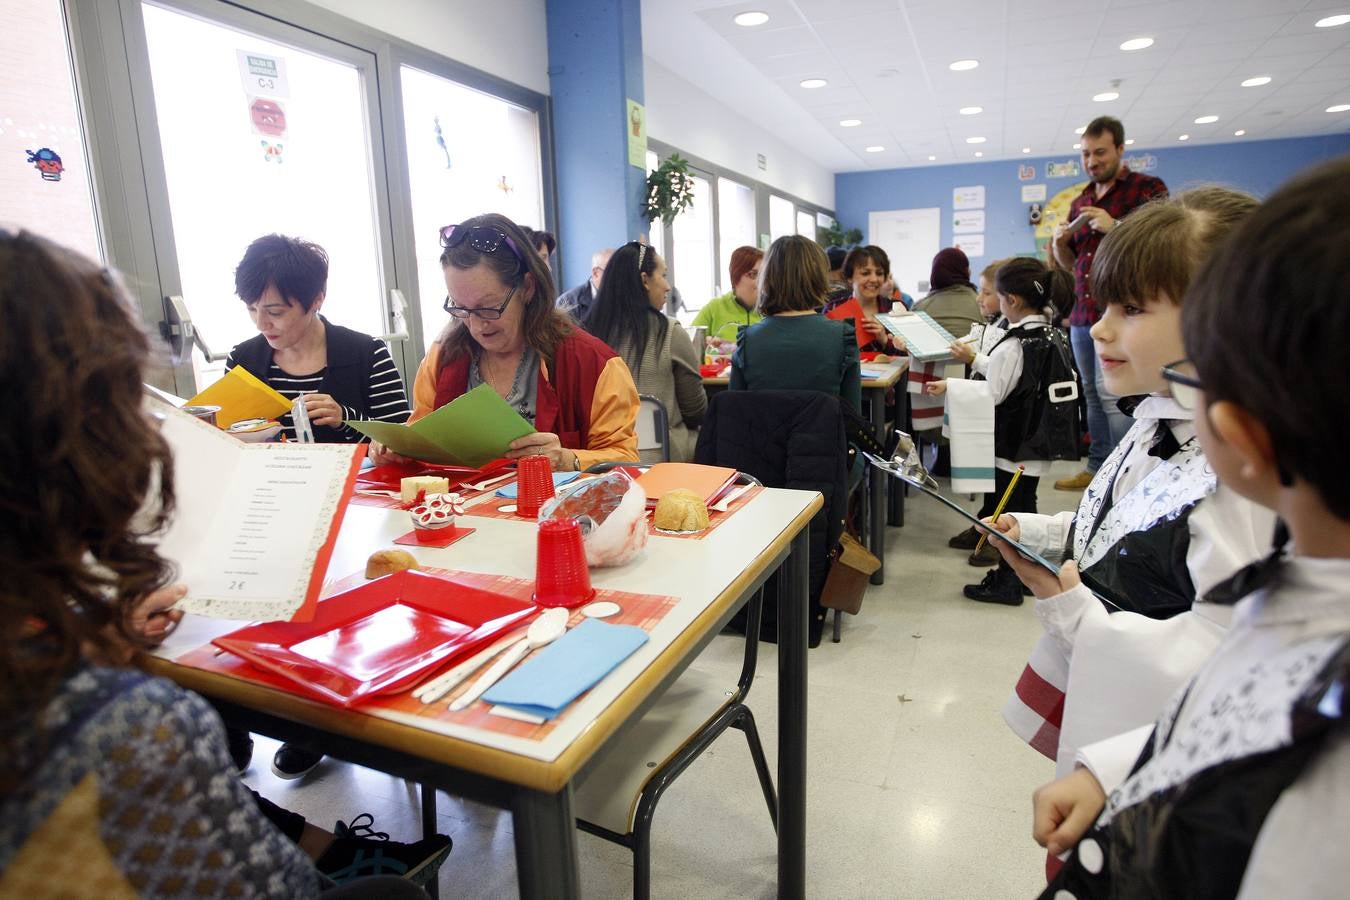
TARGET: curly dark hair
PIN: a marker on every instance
(78, 460)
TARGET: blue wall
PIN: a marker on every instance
(1258, 167)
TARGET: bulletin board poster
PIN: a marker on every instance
(969, 197)
(911, 238)
(637, 135)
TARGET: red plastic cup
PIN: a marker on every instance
(534, 485)
(560, 574)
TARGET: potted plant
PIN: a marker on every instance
(670, 190)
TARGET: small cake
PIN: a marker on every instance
(387, 562)
(437, 511)
(681, 510)
(409, 488)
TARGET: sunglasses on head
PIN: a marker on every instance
(483, 238)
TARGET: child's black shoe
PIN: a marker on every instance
(1001, 585)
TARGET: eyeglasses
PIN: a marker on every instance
(487, 313)
(1185, 386)
(483, 238)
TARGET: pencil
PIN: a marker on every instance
(984, 535)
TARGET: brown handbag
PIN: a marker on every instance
(850, 570)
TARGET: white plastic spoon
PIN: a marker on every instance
(546, 629)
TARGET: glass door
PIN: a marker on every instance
(469, 153)
(693, 268)
(735, 226)
(264, 128)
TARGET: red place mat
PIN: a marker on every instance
(643, 610)
(434, 537)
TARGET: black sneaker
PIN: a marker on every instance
(293, 761)
(358, 850)
(240, 744)
(966, 540)
(987, 555)
(996, 588)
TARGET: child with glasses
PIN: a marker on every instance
(504, 331)
(1242, 786)
(1141, 537)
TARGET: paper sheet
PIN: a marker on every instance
(254, 524)
(470, 430)
(924, 338)
(241, 396)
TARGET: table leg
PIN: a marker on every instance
(876, 484)
(429, 830)
(792, 632)
(896, 512)
(546, 844)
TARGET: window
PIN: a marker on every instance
(657, 230)
(45, 180)
(781, 217)
(263, 137)
(468, 153)
(694, 270)
(735, 224)
(806, 223)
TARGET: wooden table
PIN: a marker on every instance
(712, 578)
(874, 389)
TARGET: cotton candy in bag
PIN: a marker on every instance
(612, 513)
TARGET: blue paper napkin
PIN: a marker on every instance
(566, 668)
(559, 479)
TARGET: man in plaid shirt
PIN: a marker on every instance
(1112, 193)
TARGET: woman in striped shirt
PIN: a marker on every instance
(344, 375)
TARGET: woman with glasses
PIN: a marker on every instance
(505, 332)
(627, 315)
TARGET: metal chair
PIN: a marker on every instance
(653, 427)
(616, 798)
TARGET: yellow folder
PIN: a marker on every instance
(241, 396)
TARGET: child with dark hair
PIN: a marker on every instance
(1154, 529)
(1242, 786)
(1026, 372)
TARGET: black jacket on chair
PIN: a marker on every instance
(786, 439)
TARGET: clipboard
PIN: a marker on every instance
(1023, 550)
(925, 340)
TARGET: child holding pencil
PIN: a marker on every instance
(1030, 428)
(1241, 787)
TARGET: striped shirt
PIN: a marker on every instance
(386, 398)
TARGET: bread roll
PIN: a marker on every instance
(681, 510)
(387, 562)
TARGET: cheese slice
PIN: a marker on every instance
(409, 488)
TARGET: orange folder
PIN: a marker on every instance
(706, 481)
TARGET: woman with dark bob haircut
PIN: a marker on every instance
(111, 781)
(793, 348)
(866, 269)
(504, 331)
(627, 315)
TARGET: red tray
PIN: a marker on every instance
(388, 477)
(378, 637)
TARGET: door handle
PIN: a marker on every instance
(398, 317)
(180, 334)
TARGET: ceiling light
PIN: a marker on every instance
(849, 123)
(1339, 107)
(812, 83)
(1080, 129)
(1078, 146)
(875, 148)
(751, 19)
(971, 110)
(979, 153)
(1106, 96)
(1129, 141)
(1333, 21)
(1240, 132)
(1026, 149)
(1183, 137)
(1257, 81)
(1139, 43)
(964, 65)
(1206, 120)
(975, 140)
(932, 159)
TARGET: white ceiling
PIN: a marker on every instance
(1041, 61)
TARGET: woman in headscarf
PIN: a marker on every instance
(952, 300)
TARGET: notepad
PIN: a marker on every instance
(474, 428)
(567, 668)
(240, 395)
(705, 481)
(924, 338)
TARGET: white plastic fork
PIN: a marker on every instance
(486, 483)
(441, 685)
